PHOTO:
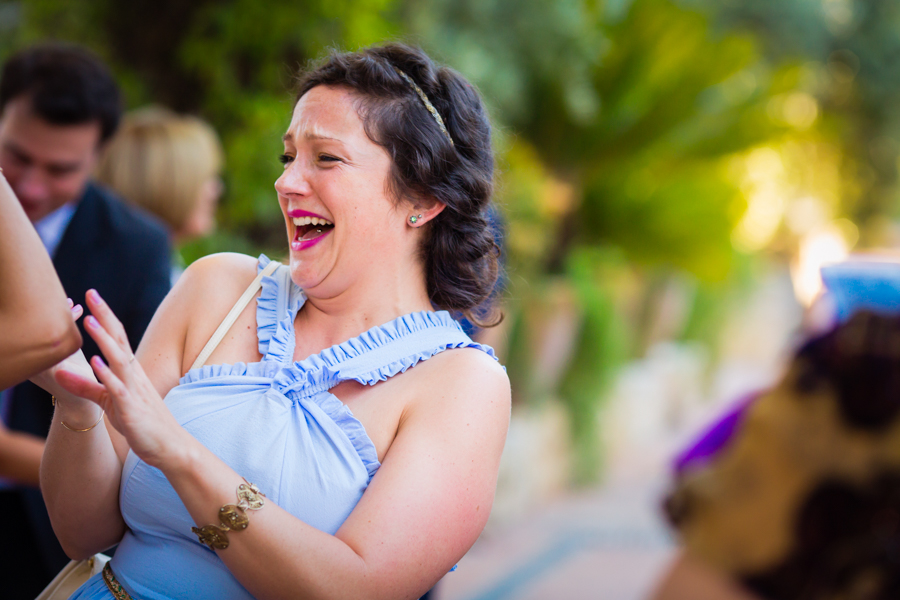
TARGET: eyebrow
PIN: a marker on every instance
(310, 135)
(24, 156)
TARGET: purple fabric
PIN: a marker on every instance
(715, 437)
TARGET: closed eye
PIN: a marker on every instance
(285, 159)
(328, 158)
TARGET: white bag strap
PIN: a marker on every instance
(232, 315)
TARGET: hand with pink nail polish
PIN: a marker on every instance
(76, 309)
(119, 386)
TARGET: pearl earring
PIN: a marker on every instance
(414, 219)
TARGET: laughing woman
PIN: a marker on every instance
(369, 424)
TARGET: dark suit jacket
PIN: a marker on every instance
(125, 255)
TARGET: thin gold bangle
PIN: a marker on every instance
(63, 423)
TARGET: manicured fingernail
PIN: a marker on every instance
(71, 304)
(98, 362)
(90, 321)
(94, 296)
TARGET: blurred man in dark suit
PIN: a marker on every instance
(58, 106)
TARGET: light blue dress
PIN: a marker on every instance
(276, 424)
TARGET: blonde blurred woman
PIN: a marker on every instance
(169, 165)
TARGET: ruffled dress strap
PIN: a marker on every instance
(377, 354)
(395, 347)
(276, 308)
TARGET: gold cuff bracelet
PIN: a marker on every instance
(232, 517)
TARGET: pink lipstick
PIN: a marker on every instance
(303, 213)
(309, 229)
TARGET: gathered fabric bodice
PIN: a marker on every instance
(276, 423)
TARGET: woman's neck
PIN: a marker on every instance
(324, 322)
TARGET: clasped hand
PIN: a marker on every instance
(132, 404)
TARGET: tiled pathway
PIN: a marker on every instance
(608, 543)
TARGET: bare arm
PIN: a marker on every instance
(422, 511)
(689, 579)
(38, 330)
(20, 455)
(80, 473)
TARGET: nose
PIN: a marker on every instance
(294, 181)
(31, 185)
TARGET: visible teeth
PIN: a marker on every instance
(301, 221)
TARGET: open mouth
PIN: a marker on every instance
(309, 230)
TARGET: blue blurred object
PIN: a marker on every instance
(863, 285)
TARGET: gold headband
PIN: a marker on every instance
(427, 103)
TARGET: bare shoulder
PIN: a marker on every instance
(206, 292)
(206, 283)
(463, 380)
(470, 362)
(189, 315)
(220, 272)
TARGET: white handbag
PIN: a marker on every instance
(72, 577)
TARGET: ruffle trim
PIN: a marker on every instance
(281, 346)
(353, 428)
(323, 371)
(265, 369)
(276, 341)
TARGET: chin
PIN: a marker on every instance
(307, 276)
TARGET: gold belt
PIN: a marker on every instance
(113, 584)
